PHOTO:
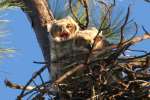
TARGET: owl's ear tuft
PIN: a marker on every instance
(69, 17)
(49, 26)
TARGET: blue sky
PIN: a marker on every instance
(19, 68)
(21, 36)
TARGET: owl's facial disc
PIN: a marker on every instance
(64, 29)
(65, 33)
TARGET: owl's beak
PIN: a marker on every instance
(64, 35)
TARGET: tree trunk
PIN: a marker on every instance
(40, 15)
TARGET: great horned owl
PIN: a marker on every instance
(62, 34)
(68, 41)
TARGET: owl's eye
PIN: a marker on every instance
(58, 27)
(69, 26)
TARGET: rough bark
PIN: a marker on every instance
(39, 15)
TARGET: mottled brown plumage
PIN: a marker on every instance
(69, 44)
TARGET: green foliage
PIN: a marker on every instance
(9, 3)
(4, 51)
(97, 13)
(111, 19)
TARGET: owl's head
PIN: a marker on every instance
(63, 29)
